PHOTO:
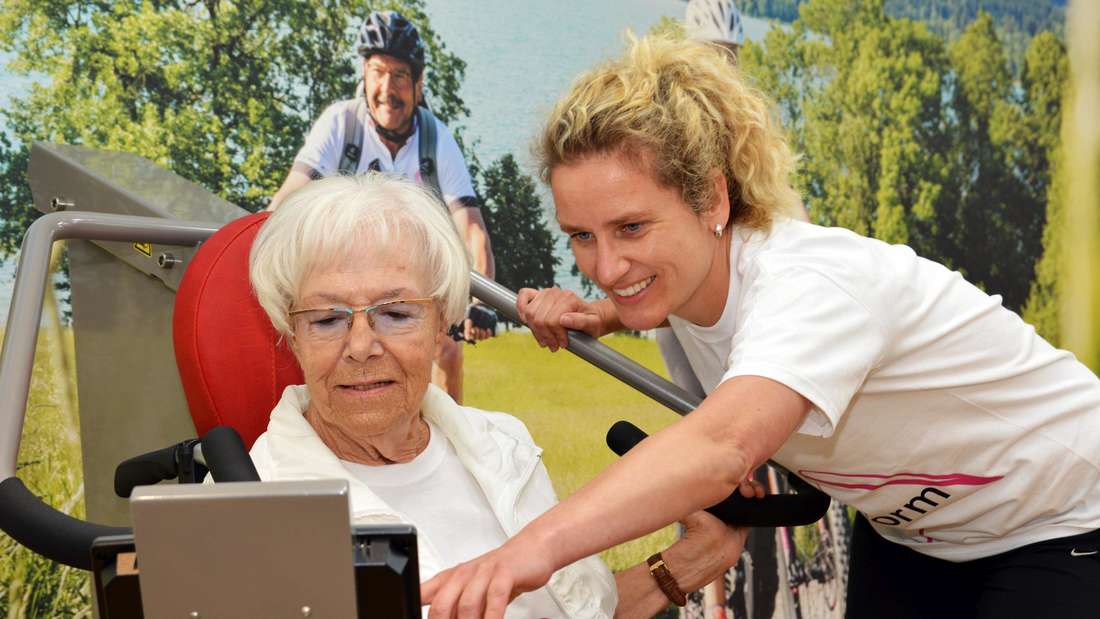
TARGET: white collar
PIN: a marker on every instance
(499, 460)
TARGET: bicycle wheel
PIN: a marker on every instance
(822, 571)
(790, 569)
(695, 607)
(839, 528)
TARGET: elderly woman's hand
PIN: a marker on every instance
(484, 586)
(549, 312)
(706, 550)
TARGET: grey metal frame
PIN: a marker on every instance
(21, 335)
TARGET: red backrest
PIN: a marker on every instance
(233, 364)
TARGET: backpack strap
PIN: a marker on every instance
(429, 138)
(355, 122)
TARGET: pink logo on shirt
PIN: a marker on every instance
(928, 498)
(873, 481)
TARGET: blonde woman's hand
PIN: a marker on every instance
(483, 587)
(549, 312)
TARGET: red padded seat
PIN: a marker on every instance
(233, 364)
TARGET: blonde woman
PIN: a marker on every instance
(969, 445)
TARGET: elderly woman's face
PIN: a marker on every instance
(369, 379)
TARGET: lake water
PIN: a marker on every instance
(516, 71)
(520, 56)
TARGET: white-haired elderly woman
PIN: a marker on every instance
(363, 275)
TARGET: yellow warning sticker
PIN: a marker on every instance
(144, 248)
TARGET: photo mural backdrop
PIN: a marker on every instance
(950, 143)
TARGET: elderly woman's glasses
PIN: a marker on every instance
(329, 324)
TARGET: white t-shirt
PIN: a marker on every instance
(437, 493)
(324, 147)
(938, 413)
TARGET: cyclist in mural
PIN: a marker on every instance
(387, 128)
(716, 21)
(968, 444)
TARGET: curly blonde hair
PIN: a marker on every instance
(678, 109)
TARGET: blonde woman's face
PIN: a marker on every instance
(640, 243)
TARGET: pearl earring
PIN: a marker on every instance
(717, 231)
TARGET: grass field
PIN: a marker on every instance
(567, 404)
(49, 464)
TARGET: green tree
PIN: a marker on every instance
(779, 68)
(1045, 298)
(995, 223)
(668, 27)
(1039, 157)
(909, 140)
(1017, 21)
(219, 91)
(863, 97)
(1029, 130)
(523, 246)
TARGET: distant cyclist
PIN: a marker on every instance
(716, 21)
(385, 128)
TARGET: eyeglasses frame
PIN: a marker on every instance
(366, 309)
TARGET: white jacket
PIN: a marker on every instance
(495, 448)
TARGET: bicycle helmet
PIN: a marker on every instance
(388, 32)
(715, 20)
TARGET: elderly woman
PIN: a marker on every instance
(362, 275)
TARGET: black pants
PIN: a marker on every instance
(1056, 578)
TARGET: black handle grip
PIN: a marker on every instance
(226, 456)
(483, 316)
(777, 510)
(64, 539)
(48, 532)
(149, 468)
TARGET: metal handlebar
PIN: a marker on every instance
(34, 524)
(591, 350)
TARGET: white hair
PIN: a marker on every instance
(330, 218)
